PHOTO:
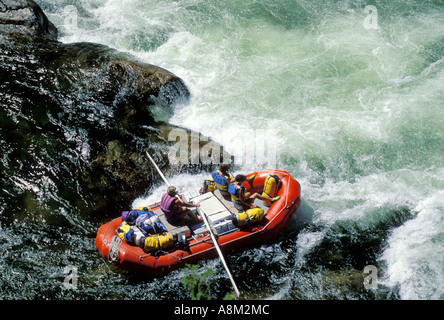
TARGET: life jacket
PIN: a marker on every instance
(149, 223)
(166, 202)
(233, 189)
(249, 216)
(271, 186)
(157, 242)
(221, 180)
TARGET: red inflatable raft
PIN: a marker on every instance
(193, 243)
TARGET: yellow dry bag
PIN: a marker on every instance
(209, 185)
(251, 215)
(157, 242)
(123, 229)
(270, 188)
(144, 208)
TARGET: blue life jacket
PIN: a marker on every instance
(233, 189)
(221, 180)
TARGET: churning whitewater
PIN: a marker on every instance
(345, 95)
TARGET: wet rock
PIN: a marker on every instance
(147, 81)
(120, 174)
(26, 18)
(89, 108)
(104, 73)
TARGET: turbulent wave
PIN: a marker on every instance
(355, 114)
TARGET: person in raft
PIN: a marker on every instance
(223, 178)
(244, 200)
(176, 210)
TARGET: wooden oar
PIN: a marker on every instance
(216, 244)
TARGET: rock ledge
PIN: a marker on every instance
(25, 17)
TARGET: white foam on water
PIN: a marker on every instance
(182, 182)
(415, 252)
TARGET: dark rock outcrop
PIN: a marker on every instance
(147, 80)
(119, 173)
(83, 110)
(25, 17)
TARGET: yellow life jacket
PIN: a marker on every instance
(270, 188)
(233, 189)
(221, 180)
(249, 216)
(157, 242)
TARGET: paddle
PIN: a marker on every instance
(216, 244)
